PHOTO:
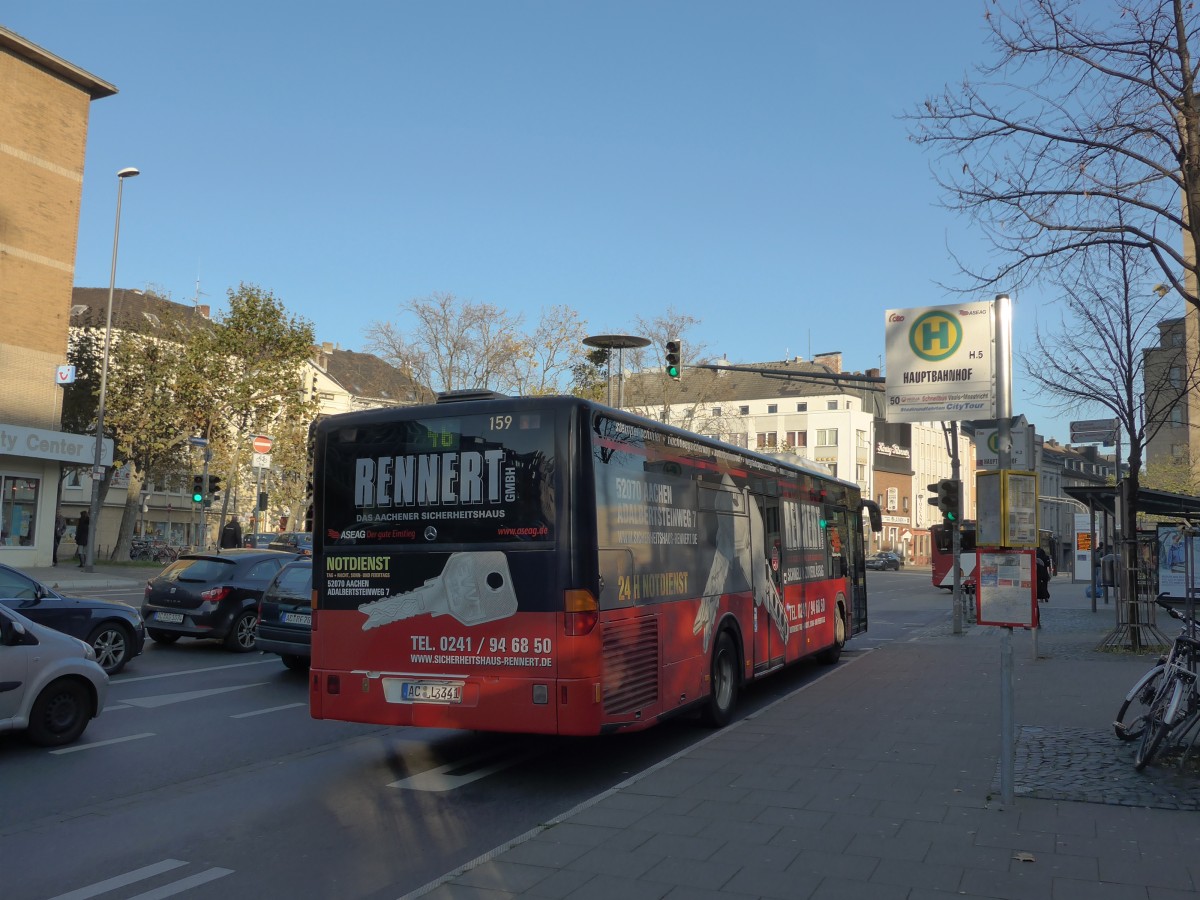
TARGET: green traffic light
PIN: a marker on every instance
(673, 371)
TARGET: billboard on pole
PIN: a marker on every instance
(941, 363)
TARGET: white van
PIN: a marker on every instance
(50, 683)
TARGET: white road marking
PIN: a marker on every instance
(116, 682)
(91, 746)
(184, 696)
(260, 712)
(110, 884)
(184, 884)
(451, 776)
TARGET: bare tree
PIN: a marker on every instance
(652, 393)
(462, 344)
(1096, 356)
(1084, 135)
(549, 354)
(454, 345)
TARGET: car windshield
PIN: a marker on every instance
(198, 570)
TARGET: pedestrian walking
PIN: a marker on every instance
(60, 528)
(82, 531)
(231, 534)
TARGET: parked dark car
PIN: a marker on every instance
(114, 630)
(293, 542)
(211, 595)
(258, 540)
(285, 615)
(885, 560)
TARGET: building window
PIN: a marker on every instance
(1177, 339)
(18, 510)
(772, 408)
(860, 473)
(716, 410)
(1177, 420)
(905, 502)
(766, 439)
(1177, 377)
(827, 437)
(831, 404)
(738, 439)
(744, 410)
(797, 438)
(893, 499)
(861, 437)
(832, 469)
(802, 406)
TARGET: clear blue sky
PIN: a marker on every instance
(742, 162)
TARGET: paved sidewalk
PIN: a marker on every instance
(880, 782)
(70, 578)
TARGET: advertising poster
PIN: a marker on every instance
(1172, 560)
(1006, 594)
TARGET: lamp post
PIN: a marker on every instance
(97, 468)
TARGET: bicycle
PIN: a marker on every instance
(1175, 706)
(1142, 694)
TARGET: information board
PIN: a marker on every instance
(1006, 593)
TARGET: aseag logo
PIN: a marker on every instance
(935, 336)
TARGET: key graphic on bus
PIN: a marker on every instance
(474, 588)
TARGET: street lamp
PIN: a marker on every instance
(94, 509)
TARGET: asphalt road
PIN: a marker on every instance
(204, 777)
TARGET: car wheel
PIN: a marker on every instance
(162, 637)
(243, 634)
(60, 713)
(113, 643)
(294, 662)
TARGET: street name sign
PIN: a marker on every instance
(1094, 431)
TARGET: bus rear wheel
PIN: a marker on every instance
(722, 698)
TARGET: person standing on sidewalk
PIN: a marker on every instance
(231, 534)
(1043, 576)
(60, 528)
(82, 531)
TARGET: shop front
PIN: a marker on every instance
(31, 461)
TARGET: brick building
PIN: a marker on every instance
(44, 107)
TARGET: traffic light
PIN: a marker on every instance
(674, 352)
(197, 488)
(214, 486)
(948, 498)
(953, 498)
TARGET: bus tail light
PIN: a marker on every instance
(583, 612)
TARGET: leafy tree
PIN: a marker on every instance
(143, 412)
(1078, 138)
(589, 374)
(245, 376)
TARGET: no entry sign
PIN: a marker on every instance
(262, 444)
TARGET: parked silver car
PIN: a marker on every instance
(50, 683)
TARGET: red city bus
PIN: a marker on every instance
(551, 565)
(942, 556)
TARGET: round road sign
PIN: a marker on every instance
(262, 444)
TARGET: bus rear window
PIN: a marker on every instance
(449, 479)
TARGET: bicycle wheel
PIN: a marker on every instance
(1152, 738)
(1131, 717)
(1157, 727)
